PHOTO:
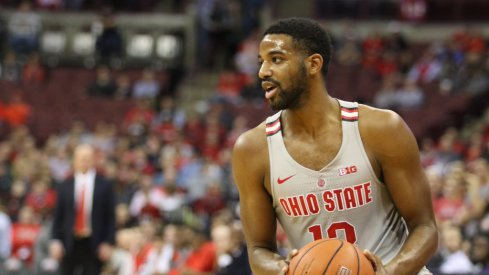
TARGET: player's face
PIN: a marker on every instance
(283, 72)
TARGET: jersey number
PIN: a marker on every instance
(332, 231)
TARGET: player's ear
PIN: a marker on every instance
(315, 64)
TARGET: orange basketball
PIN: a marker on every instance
(330, 257)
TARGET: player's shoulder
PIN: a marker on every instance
(376, 119)
(252, 142)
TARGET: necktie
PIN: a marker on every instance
(80, 222)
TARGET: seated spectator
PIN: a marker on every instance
(147, 87)
(121, 261)
(17, 112)
(426, 69)
(161, 257)
(455, 261)
(386, 96)
(41, 198)
(232, 257)
(410, 95)
(33, 71)
(479, 252)
(10, 68)
(201, 257)
(124, 87)
(24, 235)
(146, 202)
(103, 86)
(168, 112)
(24, 27)
(349, 54)
(109, 42)
(245, 58)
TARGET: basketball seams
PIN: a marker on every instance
(358, 260)
(305, 253)
(332, 256)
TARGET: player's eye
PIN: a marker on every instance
(276, 59)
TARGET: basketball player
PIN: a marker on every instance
(327, 168)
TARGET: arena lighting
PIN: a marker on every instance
(168, 47)
(140, 46)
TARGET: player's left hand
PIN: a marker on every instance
(291, 255)
(376, 263)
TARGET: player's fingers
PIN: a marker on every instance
(291, 255)
(373, 259)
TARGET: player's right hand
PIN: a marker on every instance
(287, 260)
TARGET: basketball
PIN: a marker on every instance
(330, 257)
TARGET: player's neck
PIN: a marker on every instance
(319, 110)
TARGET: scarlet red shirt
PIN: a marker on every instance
(24, 236)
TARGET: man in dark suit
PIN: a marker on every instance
(83, 229)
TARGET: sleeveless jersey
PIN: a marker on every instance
(345, 199)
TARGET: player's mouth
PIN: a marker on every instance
(270, 89)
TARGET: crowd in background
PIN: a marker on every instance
(176, 204)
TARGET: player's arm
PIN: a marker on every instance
(250, 162)
(395, 149)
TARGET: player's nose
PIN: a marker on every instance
(264, 71)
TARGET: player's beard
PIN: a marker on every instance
(293, 97)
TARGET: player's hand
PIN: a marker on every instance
(376, 263)
(287, 260)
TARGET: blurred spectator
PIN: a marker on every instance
(386, 97)
(123, 218)
(10, 68)
(426, 69)
(44, 264)
(161, 257)
(33, 71)
(137, 119)
(252, 92)
(455, 261)
(201, 258)
(103, 86)
(41, 198)
(145, 235)
(60, 165)
(124, 88)
(17, 112)
(410, 95)
(479, 252)
(109, 42)
(232, 256)
(168, 112)
(5, 233)
(217, 22)
(24, 236)
(147, 87)
(121, 261)
(348, 54)
(240, 125)
(16, 199)
(146, 202)
(245, 58)
(24, 27)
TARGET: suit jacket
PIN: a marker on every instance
(102, 216)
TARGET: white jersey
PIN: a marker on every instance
(344, 200)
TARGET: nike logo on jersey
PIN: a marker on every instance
(280, 181)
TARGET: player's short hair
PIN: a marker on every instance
(308, 36)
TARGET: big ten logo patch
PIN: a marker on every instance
(347, 170)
